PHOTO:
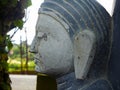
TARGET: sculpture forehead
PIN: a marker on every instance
(49, 23)
(52, 26)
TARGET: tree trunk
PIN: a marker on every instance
(4, 76)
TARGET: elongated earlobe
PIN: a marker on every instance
(84, 50)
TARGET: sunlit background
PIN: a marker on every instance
(32, 14)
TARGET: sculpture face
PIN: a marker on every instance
(52, 47)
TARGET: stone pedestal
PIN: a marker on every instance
(45, 82)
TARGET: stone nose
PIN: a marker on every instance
(33, 47)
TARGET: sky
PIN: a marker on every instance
(29, 25)
(32, 19)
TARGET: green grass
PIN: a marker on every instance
(15, 65)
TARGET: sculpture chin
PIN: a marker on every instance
(55, 70)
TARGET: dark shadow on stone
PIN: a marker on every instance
(114, 64)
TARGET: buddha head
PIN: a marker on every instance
(69, 39)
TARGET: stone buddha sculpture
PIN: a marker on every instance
(72, 44)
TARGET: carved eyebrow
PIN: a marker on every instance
(42, 35)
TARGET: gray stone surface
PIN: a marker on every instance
(69, 82)
(77, 49)
(23, 82)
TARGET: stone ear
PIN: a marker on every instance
(84, 50)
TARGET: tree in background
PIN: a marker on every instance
(11, 14)
(20, 59)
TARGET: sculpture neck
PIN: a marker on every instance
(68, 82)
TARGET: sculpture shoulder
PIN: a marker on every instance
(98, 85)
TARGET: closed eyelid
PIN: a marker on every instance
(40, 34)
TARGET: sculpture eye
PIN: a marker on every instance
(42, 35)
(45, 36)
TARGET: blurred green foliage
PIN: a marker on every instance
(15, 62)
(15, 65)
(15, 51)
